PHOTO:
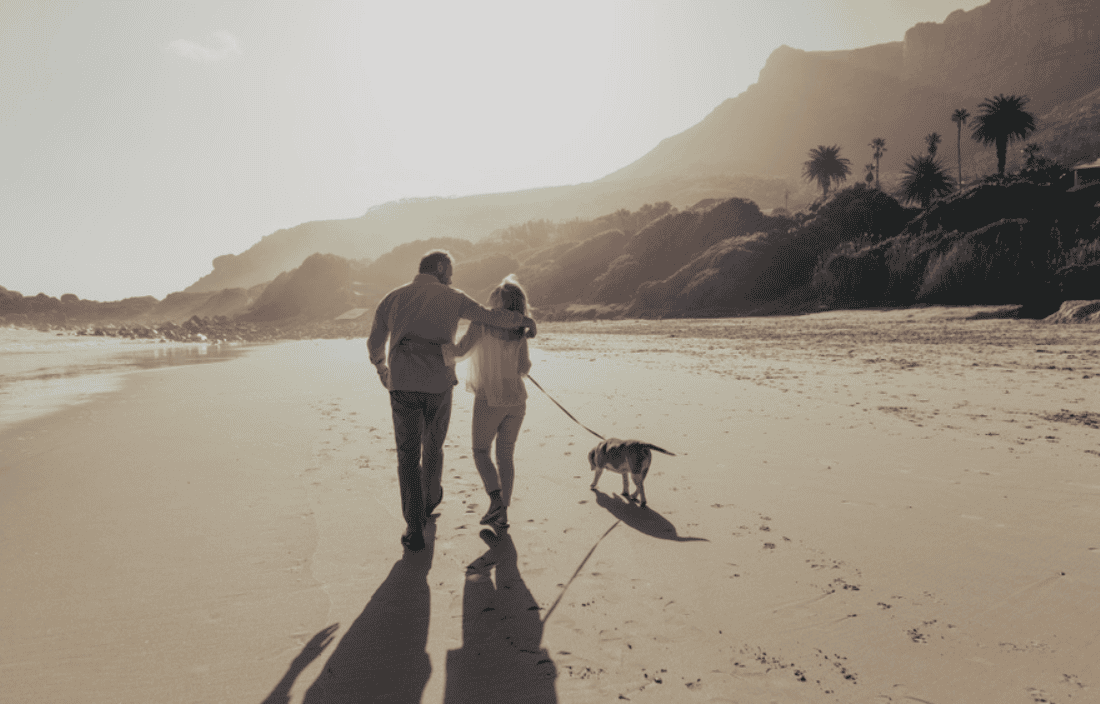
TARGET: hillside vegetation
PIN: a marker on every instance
(1024, 239)
(1013, 242)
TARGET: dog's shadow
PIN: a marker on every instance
(643, 520)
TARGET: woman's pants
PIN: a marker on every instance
(503, 423)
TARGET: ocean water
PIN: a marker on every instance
(43, 372)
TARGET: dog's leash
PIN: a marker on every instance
(565, 411)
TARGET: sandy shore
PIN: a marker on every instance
(864, 507)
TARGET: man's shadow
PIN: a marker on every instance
(501, 659)
(643, 520)
(383, 656)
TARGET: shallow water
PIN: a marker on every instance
(41, 373)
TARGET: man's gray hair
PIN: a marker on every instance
(433, 258)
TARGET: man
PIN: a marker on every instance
(416, 320)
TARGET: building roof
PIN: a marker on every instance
(351, 314)
(1090, 165)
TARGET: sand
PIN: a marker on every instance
(877, 506)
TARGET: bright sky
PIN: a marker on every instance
(139, 140)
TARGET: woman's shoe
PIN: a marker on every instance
(491, 515)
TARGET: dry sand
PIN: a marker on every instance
(898, 506)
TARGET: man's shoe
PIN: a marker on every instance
(413, 541)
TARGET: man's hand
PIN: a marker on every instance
(530, 325)
(384, 375)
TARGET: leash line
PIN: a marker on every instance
(566, 413)
(579, 568)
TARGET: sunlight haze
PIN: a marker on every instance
(141, 140)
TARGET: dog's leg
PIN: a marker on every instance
(595, 479)
(626, 485)
(639, 480)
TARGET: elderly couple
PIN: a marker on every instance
(418, 321)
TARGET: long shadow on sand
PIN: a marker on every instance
(310, 652)
(383, 655)
(501, 659)
(643, 520)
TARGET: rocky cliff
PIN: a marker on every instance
(1046, 49)
(753, 145)
(801, 100)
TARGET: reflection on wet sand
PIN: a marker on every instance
(36, 383)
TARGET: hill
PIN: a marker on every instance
(1025, 239)
(385, 226)
(752, 146)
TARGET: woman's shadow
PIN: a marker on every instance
(643, 520)
(382, 656)
(501, 659)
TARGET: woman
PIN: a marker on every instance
(498, 361)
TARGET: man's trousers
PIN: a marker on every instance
(420, 421)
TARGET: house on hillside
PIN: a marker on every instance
(1086, 173)
(353, 314)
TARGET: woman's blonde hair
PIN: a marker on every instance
(510, 295)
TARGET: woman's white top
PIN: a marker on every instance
(498, 361)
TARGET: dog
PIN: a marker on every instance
(627, 457)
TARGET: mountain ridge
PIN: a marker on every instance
(752, 145)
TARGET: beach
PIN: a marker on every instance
(863, 506)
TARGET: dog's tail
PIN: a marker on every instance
(658, 449)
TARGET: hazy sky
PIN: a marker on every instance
(139, 140)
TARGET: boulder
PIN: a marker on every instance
(1076, 312)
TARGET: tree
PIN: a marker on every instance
(826, 166)
(959, 117)
(933, 141)
(922, 180)
(1002, 120)
(870, 168)
(1032, 149)
(879, 146)
(1039, 168)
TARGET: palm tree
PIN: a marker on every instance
(879, 145)
(870, 169)
(933, 141)
(826, 166)
(1002, 120)
(959, 117)
(924, 179)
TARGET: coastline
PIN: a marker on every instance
(863, 506)
(44, 372)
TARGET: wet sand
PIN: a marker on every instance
(43, 372)
(864, 507)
